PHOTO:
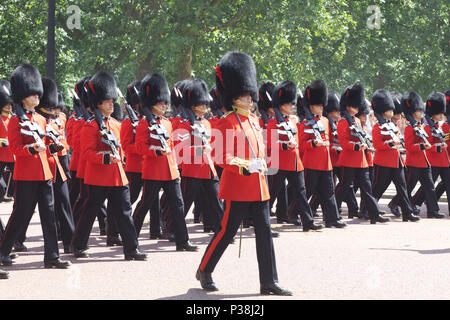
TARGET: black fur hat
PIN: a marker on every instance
(195, 92)
(284, 92)
(117, 113)
(216, 102)
(382, 101)
(301, 102)
(333, 102)
(397, 98)
(5, 94)
(132, 96)
(316, 93)
(353, 96)
(365, 109)
(435, 103)
(81, 90)
(236, 76)
(26, 81)
(265, 95)
(412, 102)
(447, 99)
(49, 99)
(154, 89)
(176, 94)
(100, 87)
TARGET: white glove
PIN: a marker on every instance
(257, 165)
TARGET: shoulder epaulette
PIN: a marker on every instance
(226, 114)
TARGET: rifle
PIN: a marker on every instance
(29, 128)
(76, 104)
(389, 129)
(107, 136)
(133, 116)
(435, 130)
(333, 127)
(285, 128)
(54, 135)
(358, 132)
(419, 131)
(317, 127)
(160, 132)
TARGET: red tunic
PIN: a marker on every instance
(154, 166)
(28, 167)
(93, 150)
(53, 160)
(315, 158)
(437, 156)
(349, 157)
(235, 186)
(75, 140)
(61, 128)
(127, 137)
(415, 154)
(5, 152)
(385, 156)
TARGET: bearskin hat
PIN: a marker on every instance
(132, 94)
(216, 103)
(332, 103)
(236, 76)
(397, 98)
(435, 103)
(265, 95)
(5, 93)
(195, 92)
(49, 99)
(284, 92)
(100, 87)
(60, 101)
(382, 101)
(316, 93)
(365, 109)
(81, 90)
(26, 81)
(412, 102)
(154, 89)
(353, 96)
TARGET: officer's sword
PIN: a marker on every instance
(9, 181)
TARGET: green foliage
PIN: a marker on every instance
(296, 40)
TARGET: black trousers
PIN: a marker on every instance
(235, 212)
(282, 200)
(362, 178)
(150, 194)
(27, 195)
(120, 208)
(444, 185)
(423, 175)
(63, 211)
(321, 183)
(206, 191)
(350, 198)
(383, 177)
(74, 188)
(64, 161)
(299, 204)
(5, 178)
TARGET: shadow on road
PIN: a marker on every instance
(200, 294)
(430, 251)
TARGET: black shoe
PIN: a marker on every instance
(4, 274)
(232, 241)
(156, 236)
(410, 217)
(275, 234)
(57, 263)
(382, 213)
(80, 253)
(275, 289)
(171, 237)
(315, 214)
(435, 215)
(68, 249)
(19, 247)
(272, 213)
(282, 220)
(7, 199)
(337, 224)
(394, 210)
(379, 218)
(313, 227)
(187, 246)
(136, 255)
(113, 241)
(13, 256)
(353, 214)
(103, 232)
(295, 221)
(416, 210)
(196, 220)
(6, 260)
(207, 229)
(206, 280)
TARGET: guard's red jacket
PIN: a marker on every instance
(415, 150)
(437, 156)
(29, 166)
(75, 140)
(351, 155)
(61, 128)
(99, 170)
(385, 155)
(5, 152)
(288, 159)
(53, 160)
(196, 163)
(127, 137)
(156, 166)
(234, 184)
(315, 158)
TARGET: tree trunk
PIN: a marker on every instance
(185, 65)
(145, 67)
